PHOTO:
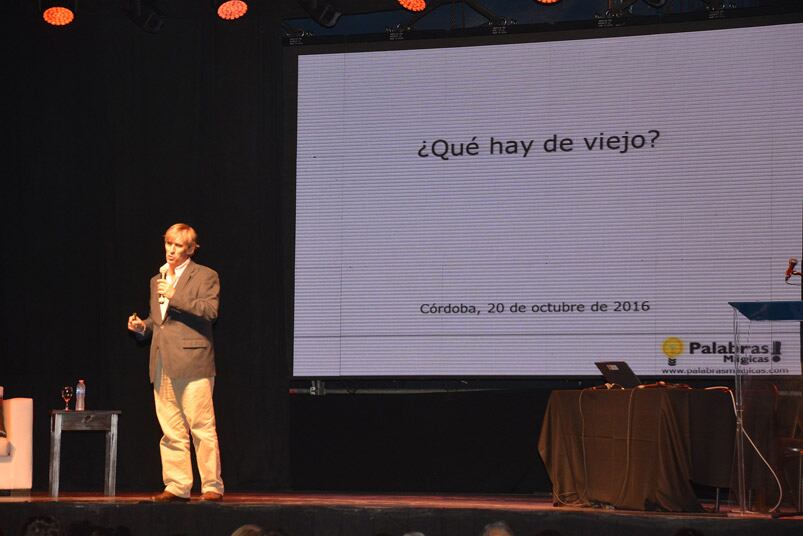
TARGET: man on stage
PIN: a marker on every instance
(184, 300)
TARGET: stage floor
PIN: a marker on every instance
(353, 514)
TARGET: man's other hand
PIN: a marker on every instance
(136, 324)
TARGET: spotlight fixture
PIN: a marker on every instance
(231, 9)
(143, 14)
(547, 2)
(619, 9)
(714, 5)
(413, 5)
(321, 12)
(58, 12)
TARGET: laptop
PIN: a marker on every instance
(618, 372)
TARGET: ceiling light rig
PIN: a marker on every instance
(714, 5)
(617, 9)
(231, 9)
(143, 14)
(58, 12)
(496, 23)
(321, 12)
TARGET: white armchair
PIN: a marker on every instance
(16, 450)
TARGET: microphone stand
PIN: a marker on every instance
(741, 476)
(741, 492)
(798, 510)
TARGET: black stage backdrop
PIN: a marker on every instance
(113, 134)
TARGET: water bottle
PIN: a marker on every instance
(80, 395)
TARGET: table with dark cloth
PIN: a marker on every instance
(637, 449)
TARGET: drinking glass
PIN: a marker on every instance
(66, 394)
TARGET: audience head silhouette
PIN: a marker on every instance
(498, 528)
(42, 526)
(250, 530)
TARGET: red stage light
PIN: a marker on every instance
(413, 5)
(232, 9)
(58, 16)
(547, 1)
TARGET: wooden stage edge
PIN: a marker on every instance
(325, 514)
(521, 503)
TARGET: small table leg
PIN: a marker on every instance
(800, 481)
(55, 453)
(110, 480)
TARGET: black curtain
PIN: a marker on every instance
(113, 134)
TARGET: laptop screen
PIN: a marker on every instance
(618, 372)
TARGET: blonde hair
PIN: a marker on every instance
(187, 233)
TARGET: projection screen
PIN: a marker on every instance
(528, 209)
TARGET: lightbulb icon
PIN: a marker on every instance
(672, 348)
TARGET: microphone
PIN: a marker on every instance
(790, 270)
(163, 274)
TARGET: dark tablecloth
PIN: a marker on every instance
(637, 449)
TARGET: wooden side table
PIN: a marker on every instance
(81, 421)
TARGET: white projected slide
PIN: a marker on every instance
(529, 209)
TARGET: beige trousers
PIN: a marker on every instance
(184, 408)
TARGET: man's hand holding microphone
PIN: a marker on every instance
(165, 289)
